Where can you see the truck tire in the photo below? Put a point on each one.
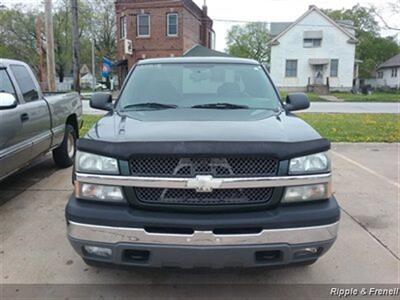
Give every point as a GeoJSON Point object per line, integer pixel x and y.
{"type": "Point", "coordinates": [64, 155]}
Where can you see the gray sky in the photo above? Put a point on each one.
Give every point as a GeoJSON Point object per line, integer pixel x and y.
{"type": "Point", "coordinates": [264, 10]}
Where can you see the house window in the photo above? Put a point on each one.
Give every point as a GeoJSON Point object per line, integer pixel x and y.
{"type": "Point", "coordinates": [312, 43]}
{"type": "Point", "coordinates": [334, 67]}
{"type": "Point", "coordinates": [172, 24]}
{"type": "Point", "coordinates": [122, 27]}
{"type": "Point", "coordinates": [394, 72]}
{"type": "Point", "coordinates": [143, 25]}
{"type": "Point", "coordinates": [291, 68]}
{"type": "Point", "coordinates": [380, 75]}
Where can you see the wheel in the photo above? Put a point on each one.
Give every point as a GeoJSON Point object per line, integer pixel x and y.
{"type": "Point", "coordinates": [64, 155]}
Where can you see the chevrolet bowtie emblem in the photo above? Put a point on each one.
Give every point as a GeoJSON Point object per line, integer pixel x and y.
{"type": "Point", "coordinates": [204, 184]}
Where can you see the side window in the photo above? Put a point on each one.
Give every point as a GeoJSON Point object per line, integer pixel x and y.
{"type": "Point", "coordinates": [25, 83]}
{"type": "Point", "coordinates": [6, 85]}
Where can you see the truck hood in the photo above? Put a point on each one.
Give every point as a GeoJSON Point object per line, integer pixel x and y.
{"type": "Point", "coordinates": [185, 125]}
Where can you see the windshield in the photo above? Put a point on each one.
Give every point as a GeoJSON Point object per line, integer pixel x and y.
{"type": "Point", "coordinates": [207, 86]}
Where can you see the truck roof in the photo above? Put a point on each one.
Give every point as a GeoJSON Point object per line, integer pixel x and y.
{"type": "Point", "coordinates": [212, 60]}
{"type": "Point", "coordinates": [4, 62]}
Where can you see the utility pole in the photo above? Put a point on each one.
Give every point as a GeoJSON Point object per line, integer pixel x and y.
{"type": "Point", "coordinates": [51, 66]}
{"type": "Point", "coordinates": [42, 72]}
{"type": "Point", "coordinates": [93, 65]}
{"type": "Point", "coordinates": [75, 45]}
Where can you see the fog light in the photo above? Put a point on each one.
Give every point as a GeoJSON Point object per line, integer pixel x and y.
{"type": "Point", "coordinates": [97, 192]}
{"type": "Point", "coordinates": [306, 252]}
{"type": "Point", "coordinates": [307, 193]}
{"type": "Point", "coordinates": [98, 251]}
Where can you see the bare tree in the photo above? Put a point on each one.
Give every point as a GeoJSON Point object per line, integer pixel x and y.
{"type": "Point", "coordinates": [395, 9]}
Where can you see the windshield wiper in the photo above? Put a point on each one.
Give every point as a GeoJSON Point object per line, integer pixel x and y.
{"type": "Point", "coordinates": [221, 106]}
{"type": "Point", "coordinates": [152, 105]}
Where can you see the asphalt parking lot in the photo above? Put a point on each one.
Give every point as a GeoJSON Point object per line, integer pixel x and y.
{"type": "Point", "coordinates": [34, 248]}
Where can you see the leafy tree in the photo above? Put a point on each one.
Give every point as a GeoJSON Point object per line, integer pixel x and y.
{"type": "Point", "coordinates": [96, 19]}
{"type": "Point", "coordinates": [63, 35]}
{"type": "Point", "coordinates": [362, 17]}
{"type": "Point", "coordinates": [104, 28]}
{"type": "Point", "coordinates": [18, 34]}
{"type": "Point", "coordinates": [372, 49]}
{"type": "Point", "coordinates": [250, 41]}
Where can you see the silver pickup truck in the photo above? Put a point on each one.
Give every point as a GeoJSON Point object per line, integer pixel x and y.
{"type": "Point", "coordinates": [32, 123]}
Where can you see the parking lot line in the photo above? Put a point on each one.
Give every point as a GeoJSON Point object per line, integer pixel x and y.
{"type": "Point", "coordinates": [366, 169]}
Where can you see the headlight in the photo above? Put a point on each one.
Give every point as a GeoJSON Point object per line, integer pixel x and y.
{"type": "Point", "coordinates": [97, 192]}
{"type": "Point", "coordinates": [306, 193]}
{"type": "Point", "coordinates": [93, 163]}
{"type": "Point", "coordinates": [315, 163]}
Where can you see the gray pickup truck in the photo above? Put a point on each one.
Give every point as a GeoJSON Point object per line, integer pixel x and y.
{"type": "Point", "coordinates": [200, 164]}
{"type": "Point", "coordinates": [32, 123]}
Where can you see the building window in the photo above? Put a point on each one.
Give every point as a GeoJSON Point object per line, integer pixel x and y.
{"type": "Point", "coordinates": [312, 43]}
{"type": "Point", "coordinates": [334, 67]}
{"type": "Point", "coordinates": [291, 68]}
{"type": "Point", "coordinates": [380, 75]}
{"type": "Point", "coordinates": [122, 27]}
{"type": "Point", "coordinates": [394, 72]}
{"type": "Point", "coordinates": [143, 25]}
{"type": "Point", "coordinates": [172, 24]}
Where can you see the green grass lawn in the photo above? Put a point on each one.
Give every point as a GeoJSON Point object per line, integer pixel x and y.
{"type": "Point", "coordinates": [374, 97]}
{"type": "Point", "coordinates": [356, 127]}
{"type": "Point", "coordinates": [335, 127]}
{"type": "Point", "coordinates": [88, 122]}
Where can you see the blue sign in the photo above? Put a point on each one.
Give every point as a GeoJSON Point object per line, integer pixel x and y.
{"type": "Point", "coordinates": [107, 64]}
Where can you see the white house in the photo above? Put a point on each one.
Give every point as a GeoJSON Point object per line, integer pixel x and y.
{"type": "Point", "coordinates": [313, 53]}
{"type": "Point", "coordinates": [388, 73]}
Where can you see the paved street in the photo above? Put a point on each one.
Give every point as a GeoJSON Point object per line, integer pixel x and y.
{"type": "Point", "coordinates": [354, 107]}
{"type": "Point", "coordinates": [34, 248]}
{"type": "Point", "coordinates": [316, 107]}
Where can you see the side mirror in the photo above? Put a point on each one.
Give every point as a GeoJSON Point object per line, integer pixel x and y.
{"type": "Point", "coordinates": [101, 101]}
{"type": "Point", "coordinates": [297, 101]}
{"type": "Point", "coordinates": [7, 101]}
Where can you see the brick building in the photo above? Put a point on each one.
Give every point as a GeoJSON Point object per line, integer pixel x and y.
{"type": "Point", "coordinates": [159, 28]}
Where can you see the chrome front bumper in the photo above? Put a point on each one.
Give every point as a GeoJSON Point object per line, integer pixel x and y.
{"type": "Point", "coordinates": [203, 182]}
{"type": "Point", "coordinates": [113, 235]}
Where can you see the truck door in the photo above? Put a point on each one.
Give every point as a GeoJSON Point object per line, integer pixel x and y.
{"type": "Point", "coordinates": [15, 149]}
{"type": "Point", "coordinates": [35, 114]}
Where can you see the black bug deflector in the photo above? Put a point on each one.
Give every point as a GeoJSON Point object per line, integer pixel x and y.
{"type": "Point", "coordinates": [277, 150]}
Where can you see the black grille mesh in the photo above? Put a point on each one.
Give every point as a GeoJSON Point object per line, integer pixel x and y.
{"type": "Point", "coordinates": [217, 167]}
{"type": "Point", "coordinates": [191, 197]}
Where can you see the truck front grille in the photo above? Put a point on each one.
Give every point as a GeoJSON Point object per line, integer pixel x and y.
{"type": "Point", "coordinates": [217, 167]}
{"type": "Point", "coordinates": [215, 198]}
